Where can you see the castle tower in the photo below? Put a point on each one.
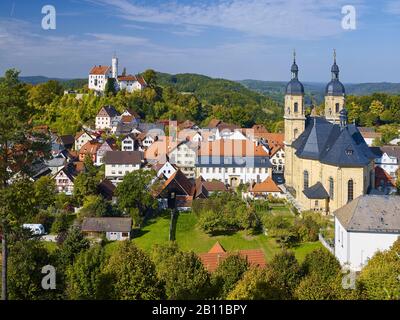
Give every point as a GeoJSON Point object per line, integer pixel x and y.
{"type": "Point", "coordinates": [334, 95]}
{"type": "Point", "coordinates": [294, 118]}
{"type": "Point", "coordinates": [114, 66]}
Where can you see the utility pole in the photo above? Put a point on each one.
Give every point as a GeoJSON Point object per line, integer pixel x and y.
{"type": "Point", "coordinates": [4, 254]}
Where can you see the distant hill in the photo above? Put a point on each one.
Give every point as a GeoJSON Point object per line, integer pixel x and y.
{"type": "Point", "coordinates": [67, 83]}
{"type": "Point", "coordinates": [222, 91]}
{"type": "Point", "coordinates": [315, 91]}
{"type": "Point", "coordinates": [212, 90]}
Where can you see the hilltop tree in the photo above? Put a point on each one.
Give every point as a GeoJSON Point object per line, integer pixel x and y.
{"type": "Point", "coordinates": [134, 193]}
{"type": "Point", "coordinates": [111, 87]}
{"type": "Point", "coordinates": [285, 272]}
{"type": "Point", "coordinates": [130, 275]}
{"type": "Point", "coordinates": [150, 76]}
{"type": "Point", "coordinates": [84, 275]}
{"type": "Point", "coordinates": [27, 257]}
{"type": "Point", "coordinates": [44, 93]}
{"type": "Point", "coordinates": [18, 150]}
{"type": "Point", "coordinates": [228, 273]}
{"type": "Point", "coordinates": [183, 273]}
{"type": "Point", "coordinates": [379, 279]}
{"type": "Point", "coordinates": [255, 285]}
{"type": "Point", "coordinates": [45, 192]}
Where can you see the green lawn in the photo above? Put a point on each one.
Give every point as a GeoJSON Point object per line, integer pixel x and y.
{"type": "Point", "coordinates": [154, 232]}
{"type": "Point", "coordinates": [189, 237]}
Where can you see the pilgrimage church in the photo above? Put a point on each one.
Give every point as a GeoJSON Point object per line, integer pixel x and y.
{"type": "Point", "coordinates": [328, 163]}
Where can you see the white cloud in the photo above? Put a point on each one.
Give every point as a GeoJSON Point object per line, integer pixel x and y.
{"type": "Point", "coordinates": [277, 18]}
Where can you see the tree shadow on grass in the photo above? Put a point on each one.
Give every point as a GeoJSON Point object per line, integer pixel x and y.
{"type": "Point", "coordinates": [222, 233]}
{"type": "Point", "coordinates": [137, 233]}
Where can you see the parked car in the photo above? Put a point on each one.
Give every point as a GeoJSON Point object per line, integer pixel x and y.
{"type": "Point", "coordinates": [36, 229]}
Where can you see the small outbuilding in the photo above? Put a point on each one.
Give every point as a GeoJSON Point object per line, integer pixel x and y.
{"type": "Point", "coordinates": [114, 228]}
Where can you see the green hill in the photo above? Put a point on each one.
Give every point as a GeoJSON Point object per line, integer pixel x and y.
{"type": "Point", "coordinates": [211, 90]}
{"type": "Point", "coordinates": [315, 91]}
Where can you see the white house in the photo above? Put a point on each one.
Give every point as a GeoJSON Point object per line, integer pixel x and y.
{"type": "Point", "coordinates": [81, 138]}
{"type": "Point", "coordinates": [234, 134]}
{"type": "Point", "coordinates": [166, 169]}
{"type": "Point", "coordinates": [119, 163]}
{"type": "Point", "coordinates": [131, 83]}
{"type": "Point", "coordinates": [98, 77]}
{"type": "Point", "coordinates": [388, 158]}
{"type": "Point", "coordinates": [128, 143]}
{"type": "Point", "coordinates": [233, 162]}
{"type": "Point", "coordinates": [277, 158]}
{"type": "Point", "coordinates": [106, 117]}
{"type": "Point", "coordinates": [65, 180]}
{"type": "Point", "coordinates": [368, 224]}
{"type": "Point", "coordinates": [114, 228]}
{"type": "Point", "coordinates": [106, 146]}
{"type": "Point", "coordinates": [183, 155]}
{"type": "Point", "coordinates": [265, 189]}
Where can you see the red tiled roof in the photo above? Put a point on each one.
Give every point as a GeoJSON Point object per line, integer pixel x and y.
{"type": "Point", "coordinates": [217, 254]}
{"type": "Point", "coordinates": [268, 185]}
{"type": "Point", "coordinates": [90, 147]}
{"type": "Point", "coordinates": [99, 70]}
{"type": "Point", "coordinates": [231, 148]}
{"type": "Point", "coordinates": [217, 248]}
{"type": "Point", "coordinates": [182, 181]}
{"type": "Point", "coordinates": [382, 175]}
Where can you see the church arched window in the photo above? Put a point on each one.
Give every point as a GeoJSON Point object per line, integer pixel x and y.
{"type": "Point", "coordinates": [337, 107]}
{"type": "Point", "coordinates": [295, 133]}
{"type": "Point", "coordinates": [350, 190]}
{"type": "Point", "coordinates": [296, 107]}
{"type": "Point", "coordinates": [331, 188]}
{"type": "Point", "coordinates": [306, 178]}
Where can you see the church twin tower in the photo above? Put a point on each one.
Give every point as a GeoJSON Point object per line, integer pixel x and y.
{"type": "Point", "coordinates": [294, 102]}
{"type": "Point", "coordinates": [295, 119]}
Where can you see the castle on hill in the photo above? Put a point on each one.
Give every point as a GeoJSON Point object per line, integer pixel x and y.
{"type": "Point", "coordinates": [100, 75]}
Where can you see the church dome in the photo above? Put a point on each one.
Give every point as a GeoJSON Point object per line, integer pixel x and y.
{"type": "Point", "coordinates": [294, 87]}
{"type": "Point", "coordinates": [335, 88]}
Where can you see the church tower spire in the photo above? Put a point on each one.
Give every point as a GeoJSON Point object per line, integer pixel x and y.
{"type": "Point", "coordinates": [334, 94]}
{"type": "Point", "coordinates": [294, 117]}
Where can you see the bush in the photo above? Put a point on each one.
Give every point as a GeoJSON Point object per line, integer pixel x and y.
{"type": "Point", "coordinates": [61, 223]}
{"type": "Point", "coordinates": [46, 218]}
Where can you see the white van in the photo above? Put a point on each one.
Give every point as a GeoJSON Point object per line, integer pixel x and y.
{"type": "Point", "coordinates": [36, 229]}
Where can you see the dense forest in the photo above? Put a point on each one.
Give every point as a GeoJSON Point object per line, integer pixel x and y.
{"type": "Point", "coordinates": [193, 98]}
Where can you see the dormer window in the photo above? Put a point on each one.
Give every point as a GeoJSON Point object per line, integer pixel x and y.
{"type": "Point", "coordinates": [349, 152]}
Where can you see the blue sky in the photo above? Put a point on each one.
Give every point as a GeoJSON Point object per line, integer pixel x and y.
{"type": "Point", "coordinates": [233, 39]}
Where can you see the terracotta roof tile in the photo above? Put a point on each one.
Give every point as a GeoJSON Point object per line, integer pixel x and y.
{"type": "Point", "coordinates": [228, 148]}
{"type": "Point", "coordinates": [99, 70]}
{"type": "Point", "coordinates": [215, 256]}
{"type": "Point", "coordinates": [268, 185]}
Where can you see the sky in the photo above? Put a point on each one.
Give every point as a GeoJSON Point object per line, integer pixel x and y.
{"type": "Point", "coordinates": [232, 39]}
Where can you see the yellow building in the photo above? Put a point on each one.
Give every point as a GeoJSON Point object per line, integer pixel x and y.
{"type": "Point", "coordinates": [328, 162]}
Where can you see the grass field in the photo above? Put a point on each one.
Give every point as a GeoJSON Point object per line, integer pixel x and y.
{"type": "Point", "coordinates": [189, 237]}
